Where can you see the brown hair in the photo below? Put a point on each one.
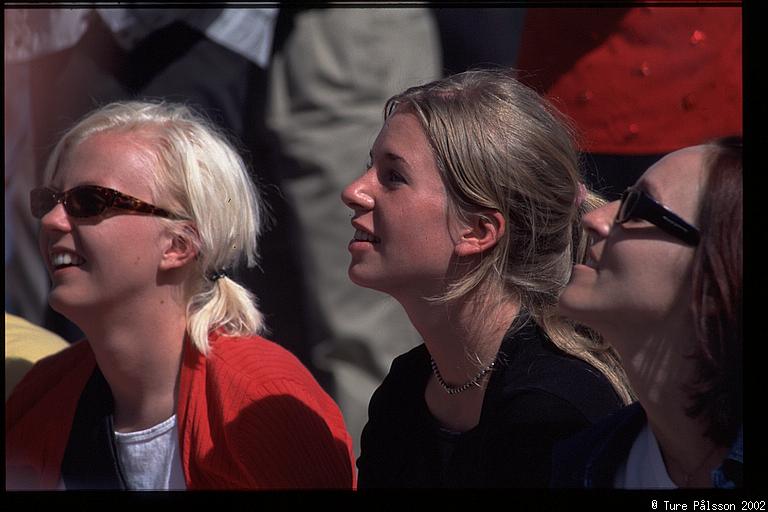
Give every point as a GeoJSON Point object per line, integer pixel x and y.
{"type": "Point", "coordinates": [717, 393]}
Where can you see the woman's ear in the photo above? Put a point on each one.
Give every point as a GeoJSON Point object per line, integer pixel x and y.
{"type": "Point", "coordinates": [483, 232]}
{"type": "Point", "coordinates": [182, 249]}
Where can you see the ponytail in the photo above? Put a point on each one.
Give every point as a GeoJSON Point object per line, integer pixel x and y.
{"type": "Point", "coordinates": [225, 306]}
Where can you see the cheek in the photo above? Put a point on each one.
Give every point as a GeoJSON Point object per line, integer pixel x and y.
{"type": "Point", "coordinates": [129, 246]}
{"type": "Point", "coordinates": [423, 238]}
{"type": "Point", "coordinates": [650, 280]}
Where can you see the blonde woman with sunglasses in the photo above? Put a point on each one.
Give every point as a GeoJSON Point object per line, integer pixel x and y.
{"type": "Point", "coordinates": [146, 210]}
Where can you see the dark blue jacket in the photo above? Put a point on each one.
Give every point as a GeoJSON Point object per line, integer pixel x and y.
{"type": "Point", "coordinates": [591, 458]}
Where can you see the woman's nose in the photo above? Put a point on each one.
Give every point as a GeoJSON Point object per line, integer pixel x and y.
{"type": "Point", "coordinates": [56, 219]}
{"type": "Point", "coordinates": [357, 195]}
{"type": "Point", "coordinates": [600, 220]}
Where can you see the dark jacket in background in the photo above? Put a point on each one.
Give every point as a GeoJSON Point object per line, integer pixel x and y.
{"type": "Point", "coordinates": [591, 458]}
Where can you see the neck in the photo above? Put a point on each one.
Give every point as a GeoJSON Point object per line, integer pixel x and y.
{"type": "Point", "coordinates": [138, 348]}
{"type": "Point", "coordinates": [462, 338]}
{"type": "Point", "coordinates": [655, 356]}
{"type": "Point", "coordinates": [659, 369]}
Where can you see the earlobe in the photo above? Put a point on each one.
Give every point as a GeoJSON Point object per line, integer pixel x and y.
{"type": "Point", "coordinates": [482, 234]}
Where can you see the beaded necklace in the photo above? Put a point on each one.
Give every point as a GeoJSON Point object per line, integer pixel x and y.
{"type": "Point", "coordinates": [453, 390]}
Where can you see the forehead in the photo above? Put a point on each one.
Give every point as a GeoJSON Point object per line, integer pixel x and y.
{"type": "Point", "coordinates": [677, 179]}
{"type": "Point", "coordinates": [114, 159]}
{"type": "Point", "coordinates": [403, 126]}
{"type": "Point", "coordinates": [403, 139]}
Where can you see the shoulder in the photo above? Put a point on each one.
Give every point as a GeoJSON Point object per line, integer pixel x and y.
{"type": "Point", "coordinates": [402, 380]}
{"type": "Point", "coordinates": [72, 366]}
{"type": "Point", "coordinates": [539, 371]}
{"type": "Point", "coordinates": [255, 361]}
{"type": "Point", "coordinates": [406, 363]}
{"type": "Point", "coordinates": [243, 370]}
{"type": "Point", "coordinates": [570, 378]}
{"type": "Point", "coordinates": [399, 396]}
{"type": "Point", "coordinates": [276, 414]}
{"type": "Point", "coordinates": [622, 420]}
{"type": "Point", "coordinates": [591, 456]}
{"type": "Point", "coordinates": [40, 410]}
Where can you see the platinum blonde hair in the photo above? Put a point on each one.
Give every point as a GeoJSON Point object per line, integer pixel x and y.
{"type": "Point", "coordinates": [499, 145]}
{"type": "Point", "coordinates": [203, 181]}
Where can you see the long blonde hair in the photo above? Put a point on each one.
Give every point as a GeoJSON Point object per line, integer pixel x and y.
{"type": "Point", "coordinates": [203, 181]}
{"type": "Point", "coordinates": [499, 145]}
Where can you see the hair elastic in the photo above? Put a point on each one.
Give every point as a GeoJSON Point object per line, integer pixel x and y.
{"type": "Point", "coordinates": [216, 275]}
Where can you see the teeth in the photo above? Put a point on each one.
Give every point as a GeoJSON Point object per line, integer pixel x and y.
{"type": "Point", "coordinates": [365, 237]}
{"type": "Point", "coordinates": [66, 258]}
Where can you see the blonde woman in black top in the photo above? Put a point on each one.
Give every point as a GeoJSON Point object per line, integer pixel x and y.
{"type": "Point", "coordinates": [468, 215]}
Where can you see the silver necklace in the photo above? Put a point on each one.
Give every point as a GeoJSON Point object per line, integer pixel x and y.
{"type": "Point", "coordinates": [453, 390]}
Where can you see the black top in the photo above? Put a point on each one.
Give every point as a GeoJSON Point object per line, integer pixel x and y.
{"type": "Point", "coordinates": [90, 458]}
{"type": "Point", "coordinates": [536, 395]}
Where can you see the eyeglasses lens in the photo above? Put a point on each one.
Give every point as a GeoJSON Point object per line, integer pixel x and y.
{"type": "Point", "coordinates": [42, 201]}
{"type": "Point", "coordinates": [78, 202]}
{"type": "Point", "coordinates": [85, 202]}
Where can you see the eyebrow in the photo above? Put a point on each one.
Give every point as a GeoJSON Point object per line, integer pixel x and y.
{"type": "Point", "coordinates": [388, 155]}
{"type": "Point", "coordinates": [84, 183]}
{"type": "Point", "coordinates": [393, 156]}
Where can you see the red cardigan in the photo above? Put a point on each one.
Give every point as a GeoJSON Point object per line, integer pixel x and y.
{"type": "Point", "coordinates": [249, 415]}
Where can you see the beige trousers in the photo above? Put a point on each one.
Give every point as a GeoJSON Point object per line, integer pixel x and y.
{"type": "Point", "coordinates": [328, 86]}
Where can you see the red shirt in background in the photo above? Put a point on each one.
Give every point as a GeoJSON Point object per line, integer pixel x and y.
{"type": "Point", "coordinates": [645, 80]}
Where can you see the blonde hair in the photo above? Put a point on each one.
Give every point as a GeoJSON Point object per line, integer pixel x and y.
{"type": "Point", "coordinates": [203, 181]}
{"type": "Point", "coordinates": [499, 145]}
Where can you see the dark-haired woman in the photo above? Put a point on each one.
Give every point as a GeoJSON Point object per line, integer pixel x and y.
{"type": "Point", "coordinates": [663, 285]}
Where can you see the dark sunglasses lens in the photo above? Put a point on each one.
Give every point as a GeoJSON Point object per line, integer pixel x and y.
{"type": "Point", "coordinates": [85, 202]}
{"type": "Point", "coordinates": [41, 201]}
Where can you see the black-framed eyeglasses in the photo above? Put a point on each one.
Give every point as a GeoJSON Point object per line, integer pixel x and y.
{"type": "Point", "coordinates": [636, 204]}
{"type": "Point", "coordinates": [89, 201]}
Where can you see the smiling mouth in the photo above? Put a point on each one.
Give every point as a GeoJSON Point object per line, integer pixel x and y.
{"type": "Point", "coordinates": [65, 259]}
{"type": "Point", "coordinates": [362, 236]}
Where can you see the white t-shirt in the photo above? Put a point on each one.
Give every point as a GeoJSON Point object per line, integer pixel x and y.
{"type": "Point", "coordinates": [644, 467]}
{"type": "Point", "coordinates": [150, 459]}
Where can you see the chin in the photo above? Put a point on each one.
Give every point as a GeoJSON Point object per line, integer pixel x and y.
{"type": "Point", "coordinates": [366, 281]}
{"type": "Point", "coordinates": [356, 274]}
{"type": "Point", "coordinates": [570, 306]}
{"type": "Point", "coordinates": [69, 307]}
